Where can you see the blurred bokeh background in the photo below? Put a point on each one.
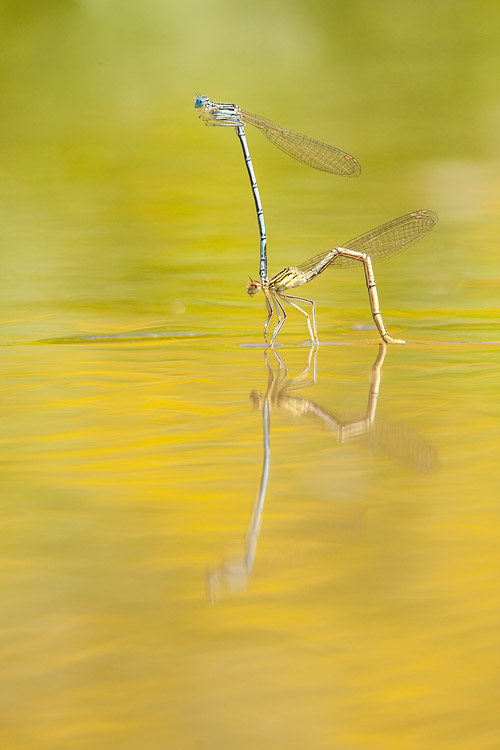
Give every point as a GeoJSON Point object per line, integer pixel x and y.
{"type": "Point", "coordinates": [130, 464]}
{"type": "Point", "coordinates": [120, 209]}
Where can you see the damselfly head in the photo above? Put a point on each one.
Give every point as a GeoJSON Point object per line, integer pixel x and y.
{"type": "Point", "coordinates": [201, 101]}
{"type": "Point", "coordinates": [253, 287]}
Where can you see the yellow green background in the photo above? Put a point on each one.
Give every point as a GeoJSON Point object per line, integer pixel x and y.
{"type": "Point", "coordinates": [132, 441]}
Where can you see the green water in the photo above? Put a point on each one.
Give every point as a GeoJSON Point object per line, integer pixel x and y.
{"type": "Point", "coordinates": [205, 546]}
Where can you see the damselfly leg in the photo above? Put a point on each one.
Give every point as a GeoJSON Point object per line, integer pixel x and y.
{"type": "Point", "coordinates": [312, 329]}
{"type": "Point", "coordinates": [280, 314]}
{"type": "Point", "coordinates": [269, 311]}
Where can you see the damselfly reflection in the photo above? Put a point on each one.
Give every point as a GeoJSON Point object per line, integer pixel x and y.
{"type": "Point", "coordinates": [391, 438]}
{"type": "Point", "coordinates": [233, 574]}
{"type": "Point", "coordinates": [307, 150]}
{"type": "Point", "coordinates": [378, 244]}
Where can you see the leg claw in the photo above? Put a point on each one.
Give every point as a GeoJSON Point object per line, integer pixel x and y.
{"type": "Point", "coordinates": [389, 340]}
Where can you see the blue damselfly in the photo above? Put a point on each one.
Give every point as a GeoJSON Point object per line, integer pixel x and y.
{"type": "Point", "coordinates": [307, 150]}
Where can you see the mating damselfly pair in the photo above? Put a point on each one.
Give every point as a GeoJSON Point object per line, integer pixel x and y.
{"type": "Point", "coordinates": [377, 244]}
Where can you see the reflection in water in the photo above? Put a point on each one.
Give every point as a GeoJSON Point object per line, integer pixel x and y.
{"type": "Point", "coordinates": [395, 439]}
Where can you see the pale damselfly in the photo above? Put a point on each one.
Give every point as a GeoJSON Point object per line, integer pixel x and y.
{"type": "Point", "coordinates": [378, 244]}
{"type": "Point", "coordinates": [307, 150]}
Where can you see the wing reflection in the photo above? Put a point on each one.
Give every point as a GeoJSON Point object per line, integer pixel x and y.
{"type": "Point", "coordinates": [395, 439]}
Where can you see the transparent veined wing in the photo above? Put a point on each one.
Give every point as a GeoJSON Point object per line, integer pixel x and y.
{"type": "Point", "coordinates": [307, 150]}
{"type": "Point", "coordinates": [379, 243]}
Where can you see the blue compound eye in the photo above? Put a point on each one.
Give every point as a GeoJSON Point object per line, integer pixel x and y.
{"type": "Point", "coordinates": [200, 101]}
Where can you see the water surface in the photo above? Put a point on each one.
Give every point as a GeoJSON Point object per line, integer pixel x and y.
{"type": "Point", "coordinates": [207, 545]}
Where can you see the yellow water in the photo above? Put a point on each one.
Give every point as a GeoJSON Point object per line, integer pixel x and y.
{"type": "Point", "coordinates": [145, 601]}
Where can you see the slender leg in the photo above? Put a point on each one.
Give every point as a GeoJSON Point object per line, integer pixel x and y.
{"type": "Point", "coordinates": [281, 318]}
{"type": "Point", "coordinates": [312, 329]}
{"type": "Point", "coordinates": [270, 312]}
{"type": "Point", "coordinates": [372, 292]}
{"type": "Point", "coordinates": [276, 310]}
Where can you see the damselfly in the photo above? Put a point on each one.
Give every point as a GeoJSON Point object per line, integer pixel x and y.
{"type": "Point", "coordinates": [378, 244]}
{"type": "Point", "coordinates": [307, 150]}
